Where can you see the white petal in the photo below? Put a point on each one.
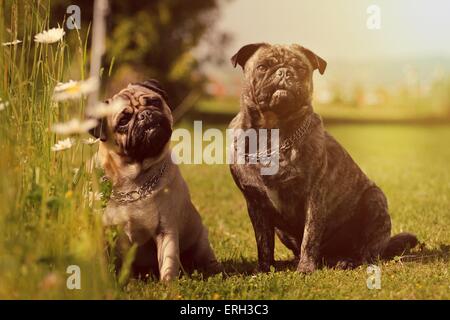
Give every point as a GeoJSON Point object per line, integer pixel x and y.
{"type": "Point", "coordinates": [12, 43]}
{"type": "Point", "coordinates": [104, 109]}
{"type": "Point", "coordinates": [63, 145]}
{"type": "Point", "coordinates": [74, 126]}
{"type": "Point", "coordinates": [90, 141]}
{"type": "Point", "coordinates": [50, 36]}
{"type": "Point", "coordinates": [74, 89]}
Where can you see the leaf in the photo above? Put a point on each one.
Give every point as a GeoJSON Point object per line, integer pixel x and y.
{"type": "Point", "coordinates": [125, 270]}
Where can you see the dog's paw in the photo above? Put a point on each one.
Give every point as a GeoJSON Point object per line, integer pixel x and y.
{"type": "Point", "coordinates": [213, 268]}
{"type": "Point", "coordinates": [306, 267]}
{"type": "Point", "coordinates": [263, 268]}
{"type": "Point", "coordinates": [169, 275]}
{"type": "Point", "coordinates": [345, 264]}
{"type": "Point", "coordinates": [167, 278]}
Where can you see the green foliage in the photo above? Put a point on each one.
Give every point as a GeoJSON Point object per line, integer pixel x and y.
{"type": "Point", "coordinates": [48, 220]}
{"type": "Point", "coordinates": [154, 39]}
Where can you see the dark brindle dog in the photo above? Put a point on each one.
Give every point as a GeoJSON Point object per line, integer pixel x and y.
{"type": "Point", "coordinates": [319, 203]}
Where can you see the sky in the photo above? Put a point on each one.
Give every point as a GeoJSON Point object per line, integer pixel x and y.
{"type": "Point", "coordinates": [337, 29]}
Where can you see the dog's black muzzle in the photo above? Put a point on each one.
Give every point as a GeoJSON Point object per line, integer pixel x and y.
{"type": "Point", "coordinates": [149, 134]}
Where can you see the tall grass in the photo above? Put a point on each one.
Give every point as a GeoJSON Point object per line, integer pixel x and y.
{"type": "Point", "coordinates": [48, 220]}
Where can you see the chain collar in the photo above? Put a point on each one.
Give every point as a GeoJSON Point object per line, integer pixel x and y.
{"type": "Point", "coordinates": [297, 137]}
{"type": "Point", "coordinates": [140, 193]}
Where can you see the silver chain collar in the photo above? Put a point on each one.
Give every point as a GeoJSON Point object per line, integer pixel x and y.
{"type": "Point", "coordinates": [298, 137]}
{"type": "Point", "coordinates": [140, 193]}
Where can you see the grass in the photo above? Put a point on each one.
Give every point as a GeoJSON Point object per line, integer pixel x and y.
{"type": "Point", "coordinates": [400, 108]}
{"type": "Point", "coordinates": [47, 221]}
{"type": "Point", "coordinates": [408, 162]}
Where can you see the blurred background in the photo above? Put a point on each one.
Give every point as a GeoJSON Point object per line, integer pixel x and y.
{"type": "Point", "coordinates": [397, 72]}
{"type": "Point", "coordinates": [385, 96]}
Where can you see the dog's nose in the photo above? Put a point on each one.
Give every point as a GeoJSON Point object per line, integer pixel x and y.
{"type": "Point", "coordinates": [284, 73]}
{"type": "Point", "coordinates": [143, 115]}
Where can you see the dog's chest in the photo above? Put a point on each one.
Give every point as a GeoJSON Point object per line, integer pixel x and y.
{"type": "Point", "coordinates": [285, 190]}
{"type": "Point", "coordinates": [288, 196]}
{"type": "Point", "coordinates": [139, 219]}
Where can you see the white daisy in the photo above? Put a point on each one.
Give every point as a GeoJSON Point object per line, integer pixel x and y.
{"type": "Point", "coordinates": [74, 89]}
{"type": "Point", "coordinates": [105, 109]}
{"type": "Point", "coordinates": [94, 196]}
{"type": "Point", "coordinates": [74, 126]}
{"type": "Point", "coordinates": [12, 43]}
{"type": "Point", "coordinates": [90, 141]}
{"type": "Point", "coordinates": [63, 145]}
{"type": "Point", "coordinates": [50, 36]}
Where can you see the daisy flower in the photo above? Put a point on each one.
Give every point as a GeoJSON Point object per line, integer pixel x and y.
{"type": "Point", "coordinates": [12, 43]}
{"type": "Point", "coordinates": [90, 141]}
{"type": "Point", "coordinates": [63, 145]}
{"type": "Point", "coordinates": [74, 126]}
{"type": "Point", "coordinates": [93, 197]}
{"type": "Point", "coordinates": [105, 109]}
{"type": "Point", "coordinates": [50, 36]}
{"type": "Point", "coordinates": [74, 89]}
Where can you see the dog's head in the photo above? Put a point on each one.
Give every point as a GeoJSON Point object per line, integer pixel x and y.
{"type": "Point", "coordinates": [143, 126]}
{"type": "Point", "coordinates": [278, 78]}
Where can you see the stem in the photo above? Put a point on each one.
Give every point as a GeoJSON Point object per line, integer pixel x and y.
{"type": "Point", "coordinates": [98, 44]}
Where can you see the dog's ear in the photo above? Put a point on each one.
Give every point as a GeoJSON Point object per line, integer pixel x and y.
{"type": "Point", "coordinates": [245, 53]}
{"type": "Point", "coordinates": [154, 85]}
{"type": "Point", "coordinates": [316, 61]}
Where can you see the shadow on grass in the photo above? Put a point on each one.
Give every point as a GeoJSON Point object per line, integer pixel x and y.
{"type": "Point", "coordinates": [421, 255]}
{"type": "Point", "coordinates": [426, 255]}
{"type": "Point", "coordinates": [249, 267]}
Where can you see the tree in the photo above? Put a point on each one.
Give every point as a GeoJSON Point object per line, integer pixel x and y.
{"type": "Point", "coordinates": [154, 39]}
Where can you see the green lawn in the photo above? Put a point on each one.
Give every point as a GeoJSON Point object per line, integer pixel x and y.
{"type": "Point", "coordinates": [405, 109]}
{"type": "Point", "coordinates": [409, 163]}
{"type": "Point", "coordinates": [50, 221]}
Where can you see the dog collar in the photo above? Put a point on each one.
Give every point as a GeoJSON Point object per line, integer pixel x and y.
{"type": "Point", "coordinates": [140, 193]}
{"type": "Point", "coordinates": [296, 138]}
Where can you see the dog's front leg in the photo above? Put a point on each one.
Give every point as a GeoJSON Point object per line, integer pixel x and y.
{"type": "Point", "coordinates": [168, 255]}
{"type": "Point", "coordinates": [312, 236]}
{"type": "Point", "coordinates": [265, 236]}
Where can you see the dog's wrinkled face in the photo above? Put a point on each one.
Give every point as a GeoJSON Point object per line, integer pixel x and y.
{"type": "Point", "coordinates": [278, 78]}
{"type": "Point", "coordinates": [143, 127]}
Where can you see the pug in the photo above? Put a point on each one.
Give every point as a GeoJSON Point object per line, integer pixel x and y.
{"type": "Point", "coordinates": [149, 198]}
{"type": "Point", "coordinates": [319, 203]}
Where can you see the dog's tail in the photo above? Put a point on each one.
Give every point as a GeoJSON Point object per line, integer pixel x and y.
{"type": "Point", "coordinates": [399, 244]}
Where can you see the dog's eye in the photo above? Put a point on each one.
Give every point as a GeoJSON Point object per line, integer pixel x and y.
{"type": "Point", "coordinates": [124, 119]}
{"type": "Point", "coordinates": [261, 68]}
{"type": "Point", "coordinates": [155, 102]}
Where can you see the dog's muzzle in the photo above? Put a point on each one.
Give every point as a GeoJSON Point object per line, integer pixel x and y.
{"type": "Point", "coordinates": [283, 87]}
{"type": "Point", "coordinates": [149, 134]}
